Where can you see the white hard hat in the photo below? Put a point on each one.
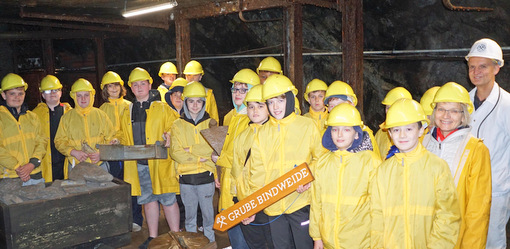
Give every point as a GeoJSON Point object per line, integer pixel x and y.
{"type": "Point", "coordinates": [487, 48]}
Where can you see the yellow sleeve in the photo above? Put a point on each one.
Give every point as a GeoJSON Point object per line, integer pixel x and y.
{"type": "Point", "coordinates": [6, 159]}
{"type": "Point", "coordinates": [210, 105]}
{"type": "Point", "coordinates": [478, 199]}
{"type": "Point", "coordinates": [377, 228]}
{"type": "Point", "coordinates": [41, 142]}
{"type": "Point", "coordinates": [257, 168]}
{"type": "Point", "coordinates": [61, 139]}
{"type": "Point", "coordinates": [315, 210]}
{"type": "Point", "coordinates": [109, 131]}
{"type": "Point", "coordinates": [177, 146]}
{"type": "Point", "coordinates": [446, 224]}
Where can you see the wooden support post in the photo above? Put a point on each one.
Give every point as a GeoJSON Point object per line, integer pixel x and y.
{"type": "Point", "coordinates": [100, 67]}
{"type": "Point", "coordinates": [352, 46]}
{"type": "Point", "coordinates": [182, 42]}
{"type": "Point", "coordinates": [48, 56]}
{"type": "Point", "coordinates": [293, 51]}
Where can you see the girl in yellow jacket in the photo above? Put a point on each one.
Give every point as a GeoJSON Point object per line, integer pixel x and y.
{"type": "Point", "coordinates": [84, 123]}
{"type": "Point", "coordinates": [284, 141]}
{"type": "Point", "coordinates": [413, 198]}
{"type": "Point", "coordinates": [22, 143]}
{"type": "Point", "coordinates": [468, 158]}
{"type": "Point", "coordinates": [314, 95]}
{"type": "Point", "coordinates": [50, 112]}
{"type": "Point", "coordinates": [196, 171]}
{"type": "Point", "coordinates": [340, 209]}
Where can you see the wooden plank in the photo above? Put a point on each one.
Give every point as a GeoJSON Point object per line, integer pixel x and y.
{"type": "Point", "coordinates": [100, 68]}
{"type": "Point", "coordinates": [48, 57]}
{"type": "Point", "coordinates": [293, 52]}
{"type": "Point", "coordinates": [182, 42]}
{"type": "Point", "coordinates": [264, 197]}
{"type": "Point", "coordinates": [72, 220]}
{"type": "Point", "coordinates": [132, 152]}
{"type": "Point", "coordinates": [352, 46]}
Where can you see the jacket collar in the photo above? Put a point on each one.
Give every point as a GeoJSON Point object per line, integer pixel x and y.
{"type": "Point", "coordinates": [284, 121]}
{"type": "Point", "coordinates": [412, 156]}
{"type": "Point", "coordinates": [318, 115]}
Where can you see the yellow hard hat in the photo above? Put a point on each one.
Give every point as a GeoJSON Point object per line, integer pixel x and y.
{"type": "Point", "coordinates": [139, 74]}
{"type": "Point", "coordinates": [453, 92]}
{"type": "Point", "coordinates": [277, 84]}
{"type": "Point", "coordinates": [254, 95]}
{"type": "Point", "coordinates": [270, 64]}
{"type": "Point", "coordinates": [82, 85]}
{"type": "Point", "coordinates": [344, 115]}
{"type": "Point", "coordinates": [246, 76]}
{"type": "Point", "coordinates": [487, 48]}
{"type": "Point", "coordinates": [340, 88]}
{"type": "Point", "coordinates": [111, 77]}
{"type": "Point", "coordinates": [167, 67]}
{"type": "Point", "coordinates": [404, 112]}
{"type": "Point", "coordinates": [395, 94]}
{"type": "Point", "coordinates": [193, 90]}
{"type": "Point", "coordinates": [315, 85]}
{"type": "Point", "coordinates": [179, 82]}
{"type": "Point", "coordinates": [11, 81]}
{"type": "Point", "coordinates": [50, 82]}
{"type": "Point", "coordinates": [193, 67]}
{"type": "Point", "coordinates": [426, 100]}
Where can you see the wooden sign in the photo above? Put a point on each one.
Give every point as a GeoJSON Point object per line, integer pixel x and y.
{"type": "Point", "coordinates": [215, 137]}
{"type": "Point", "coordinates": [264, 197]}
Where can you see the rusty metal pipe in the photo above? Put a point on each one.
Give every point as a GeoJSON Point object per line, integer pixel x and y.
{"type": "Point", "coordinates": [448, 4]}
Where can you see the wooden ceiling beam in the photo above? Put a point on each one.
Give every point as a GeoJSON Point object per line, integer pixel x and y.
{"type": "Point", "coordinates": [64, 25]}
{"type": "Point", "coordinates": [211, 9]}
{"type": "Point", "coordinates": [41, 35]}
{"type": "Point", "coordinates": [90, 19]}
{"type": "Point", "coordinates": [320, 3]}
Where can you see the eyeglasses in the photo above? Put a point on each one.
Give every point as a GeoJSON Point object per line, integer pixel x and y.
{"type": "Point", "coordinates": [240, 90]}
{"type": "Point", "coordinates": [51, 91]}
{"type": "Point", "coordinates": [452, 111]}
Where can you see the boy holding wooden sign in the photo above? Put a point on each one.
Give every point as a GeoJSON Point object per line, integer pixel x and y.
{"type": "Point", "coordinates": [340, 209]}
{"type": "Point", "coordinates": [285, 140]}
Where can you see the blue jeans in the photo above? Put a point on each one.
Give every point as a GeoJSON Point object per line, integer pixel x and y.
{"type": "Point", "coordinates": [236, 237]}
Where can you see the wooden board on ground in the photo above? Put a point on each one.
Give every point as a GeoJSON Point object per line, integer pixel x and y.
{"type": "Point", "coordinates": [181, 240]}
{"type": "Point", "coordinates": [264, 197]}
{"type": "Point", "coordinates": [83, 220]}
{"type": "Point", "coordinates": [132, 152]}
{"type": "Point", "coordinates": [215, 136]}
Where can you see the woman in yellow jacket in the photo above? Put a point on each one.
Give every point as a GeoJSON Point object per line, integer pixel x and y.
{"type": "Point", "coordinates": [314, 95]}
{"type": "Point", "coordinates": [468, 158]}
{"type": "Point", "coordinates": [22, 142]}
{"type": "Point", "coordinates": [192, 154]}
{"type": "Point", "coordinates": [414, 203]}
{"type": "Point", "coordinates": [50, 112]}
{"type": "Point", "coordinates": [255, 236]}
{"type": "Point", "coordinates": [146, 121]}
{"type": "Point", "coordinates": [382, 137]}
{"type": "Point", "coordinates": [284, 141]}
{"type": "Point", "coordinates": [340, 208]}
{"type": "Point", "coordinates": [113, 92]}
{"type": "Point", "coordinates": [84, 123]}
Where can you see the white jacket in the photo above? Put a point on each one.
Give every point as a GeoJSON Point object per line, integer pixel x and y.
{"type": "Point", "coordinates": [491, 122]}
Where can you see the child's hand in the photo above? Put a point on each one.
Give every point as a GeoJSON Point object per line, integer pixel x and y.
{"type": "Point", "coordinates": [303, 188]}
{"type": "Point", "coordinates": [248, 220]}
{"type": "Point", "coordinates": [318, 244]}
{"type": "Point", "coordinates": [217, 183]}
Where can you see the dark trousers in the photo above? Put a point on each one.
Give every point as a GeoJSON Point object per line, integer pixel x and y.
{"type": "Point", "coordinates": [258, 237]}
{"type": "Point", "coordinates": [291, 230]}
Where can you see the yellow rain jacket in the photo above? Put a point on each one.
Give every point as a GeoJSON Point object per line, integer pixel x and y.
{"type": "Point", "coordinates": [114, 110]}
{"type": "Point", "coordinates": [238, 123]}
{"type": "Point", "coordinates": [162, 171]}
{"type": "Point", "coordinates": [340, 209]}
{"type": "Point", "coordinates": [186, 135]}
{"type": "Point", "coordinates": [162, 91]}
{"type": "Point", "coordinates": [210, 105]}
{"type": "Point", "coordinates": [20, 140]}
{"type": "Point", "coordinates": [90, 125]}
{"type": "Point", "coordinates": [383, 140]}
{"type": "Point", "coordinates": [414, 202]}
{"type": "Point", "coordinates": [43, 112]}
{"type": "Point", "coordinates": [470, 166]}
{"type": "Point", "coordinates": [279, 145]}
{"type": "Point", "coordinates": [320, 117]}
{"type": "Point", "coordinates": [240, 166]}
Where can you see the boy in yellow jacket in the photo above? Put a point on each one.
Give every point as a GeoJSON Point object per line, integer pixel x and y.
{"type": "Point", "coordinates": [340, 209]}
{"type": "Point", "coordinates": [22, 143]}
{"type": "Point", "coordinates": [413, 197]}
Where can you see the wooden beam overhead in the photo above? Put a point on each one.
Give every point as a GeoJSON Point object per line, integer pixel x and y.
{"type": "Point", "coordinates": [211, 9]}
{"type": "Point", "coordinates": [182, 42]}
{"type": "Point", "coordinates": [293, 48]}
{"type": "Point", "coordinates": [41, 35]}
{"type": "Point", "coordinates": [113, 28]}
{"type": "Point", "coordinates": [352, 46]}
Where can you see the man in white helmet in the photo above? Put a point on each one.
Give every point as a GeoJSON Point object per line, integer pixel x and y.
{"type": "Point", "coordinates": [491, 122]}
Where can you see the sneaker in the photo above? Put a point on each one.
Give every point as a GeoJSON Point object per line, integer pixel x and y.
{"type": "Point", "coordinates": [200, 229]}
{"type": "Point", "coordinates": [136, 227]}
{"type": "Point", "coordinates": [145, 244]}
